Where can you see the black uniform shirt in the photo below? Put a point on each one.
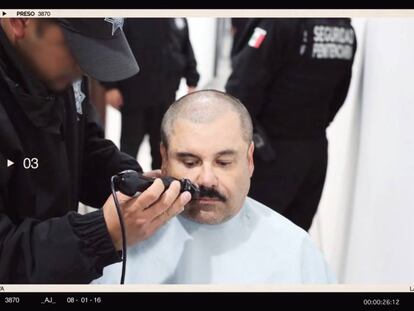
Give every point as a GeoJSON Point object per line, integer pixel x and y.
{"type": "Point", "coordinates": [293, 74]}
{"type": "Point", "coordinates": [60, 158]}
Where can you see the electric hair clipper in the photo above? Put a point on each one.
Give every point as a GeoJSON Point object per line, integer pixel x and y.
{"type": "Point", "coordinates": [130, 182]}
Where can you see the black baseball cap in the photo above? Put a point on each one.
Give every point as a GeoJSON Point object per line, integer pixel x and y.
{"type": "Point", "coordinates": [100, 47]}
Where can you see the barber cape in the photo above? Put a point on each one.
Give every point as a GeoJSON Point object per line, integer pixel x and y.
{"type": "Point", "coordinates": [257, 246]}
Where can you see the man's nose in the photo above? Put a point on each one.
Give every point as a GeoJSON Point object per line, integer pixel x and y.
{"type": "Point", "coordinates": [207, 177]}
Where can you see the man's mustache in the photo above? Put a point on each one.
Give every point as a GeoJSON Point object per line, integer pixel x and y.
{"type": "Point", "coordinates": [211, 193]}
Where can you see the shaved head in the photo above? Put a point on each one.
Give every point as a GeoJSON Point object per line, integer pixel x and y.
{"type": "Point", "coordinates": [205, 107]}
{"type": "Point", "coordinates": [207, 138]}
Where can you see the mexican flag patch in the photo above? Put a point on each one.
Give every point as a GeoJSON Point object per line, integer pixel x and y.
{"type": "Point", "coordinates": [257, 38]}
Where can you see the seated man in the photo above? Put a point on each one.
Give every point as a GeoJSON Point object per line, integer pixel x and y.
{"type": "Point", "coordinates": [223, 236]}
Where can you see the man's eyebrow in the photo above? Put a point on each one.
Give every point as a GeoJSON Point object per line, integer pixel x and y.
{"type": "Point", "coordinates": [181, 154]}
{"type": "Point", "coordinates": [226, 152]}
{"type": "Point", "coordinates": [185, 155]}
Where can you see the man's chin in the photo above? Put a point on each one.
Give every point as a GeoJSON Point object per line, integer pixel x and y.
{"type": "Point", "coordinates": [203, 214]}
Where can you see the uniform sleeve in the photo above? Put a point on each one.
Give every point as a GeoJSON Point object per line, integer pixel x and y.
{"type": "Point", "coordinates": [254, 66]}
{"type": "Point", "coordinates": [102, 159]}
{"type": "Point", "coordinates": [190, 72]}
{"type": "Point", "coordinates": [70, 249]}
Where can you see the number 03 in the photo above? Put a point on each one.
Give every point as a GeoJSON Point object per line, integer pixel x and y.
{"type": "Point", "coordinates": [32, 163]}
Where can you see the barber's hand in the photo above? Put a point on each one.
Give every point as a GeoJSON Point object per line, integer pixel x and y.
{"type": "Point", "coordinates": [144, 214]}
{"type": "Point", "coordinates": [114, 98]}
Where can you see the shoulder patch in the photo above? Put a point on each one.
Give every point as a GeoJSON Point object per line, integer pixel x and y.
{"type": "Point", "coordinates": [257, 37]}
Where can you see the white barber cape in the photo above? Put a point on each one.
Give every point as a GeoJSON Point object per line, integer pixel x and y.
{"type": "Point", "coordinates": [257, 246]}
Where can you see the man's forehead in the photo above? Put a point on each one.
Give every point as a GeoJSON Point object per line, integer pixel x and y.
{"type": "Point", "coordinates": [202, 139]}
{"type": "Point", "coordinates": [228, 121]}
{"type": "Point", "coordinates": [225, 130]}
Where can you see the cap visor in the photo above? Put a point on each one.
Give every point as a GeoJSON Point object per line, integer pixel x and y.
{"type": "Point", "coordinates": [105, 60]}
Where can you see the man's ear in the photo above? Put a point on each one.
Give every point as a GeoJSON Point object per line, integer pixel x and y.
{"type": "Point", "coordinates": [18, 27]}
{"type": "Point", "coordinates": [250, 158]}
{"type": "Point", "coordinates": [164, 158]}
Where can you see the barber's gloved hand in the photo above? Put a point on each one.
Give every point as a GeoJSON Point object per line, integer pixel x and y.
{"type": "Point", "coordinates": [144, 214]}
